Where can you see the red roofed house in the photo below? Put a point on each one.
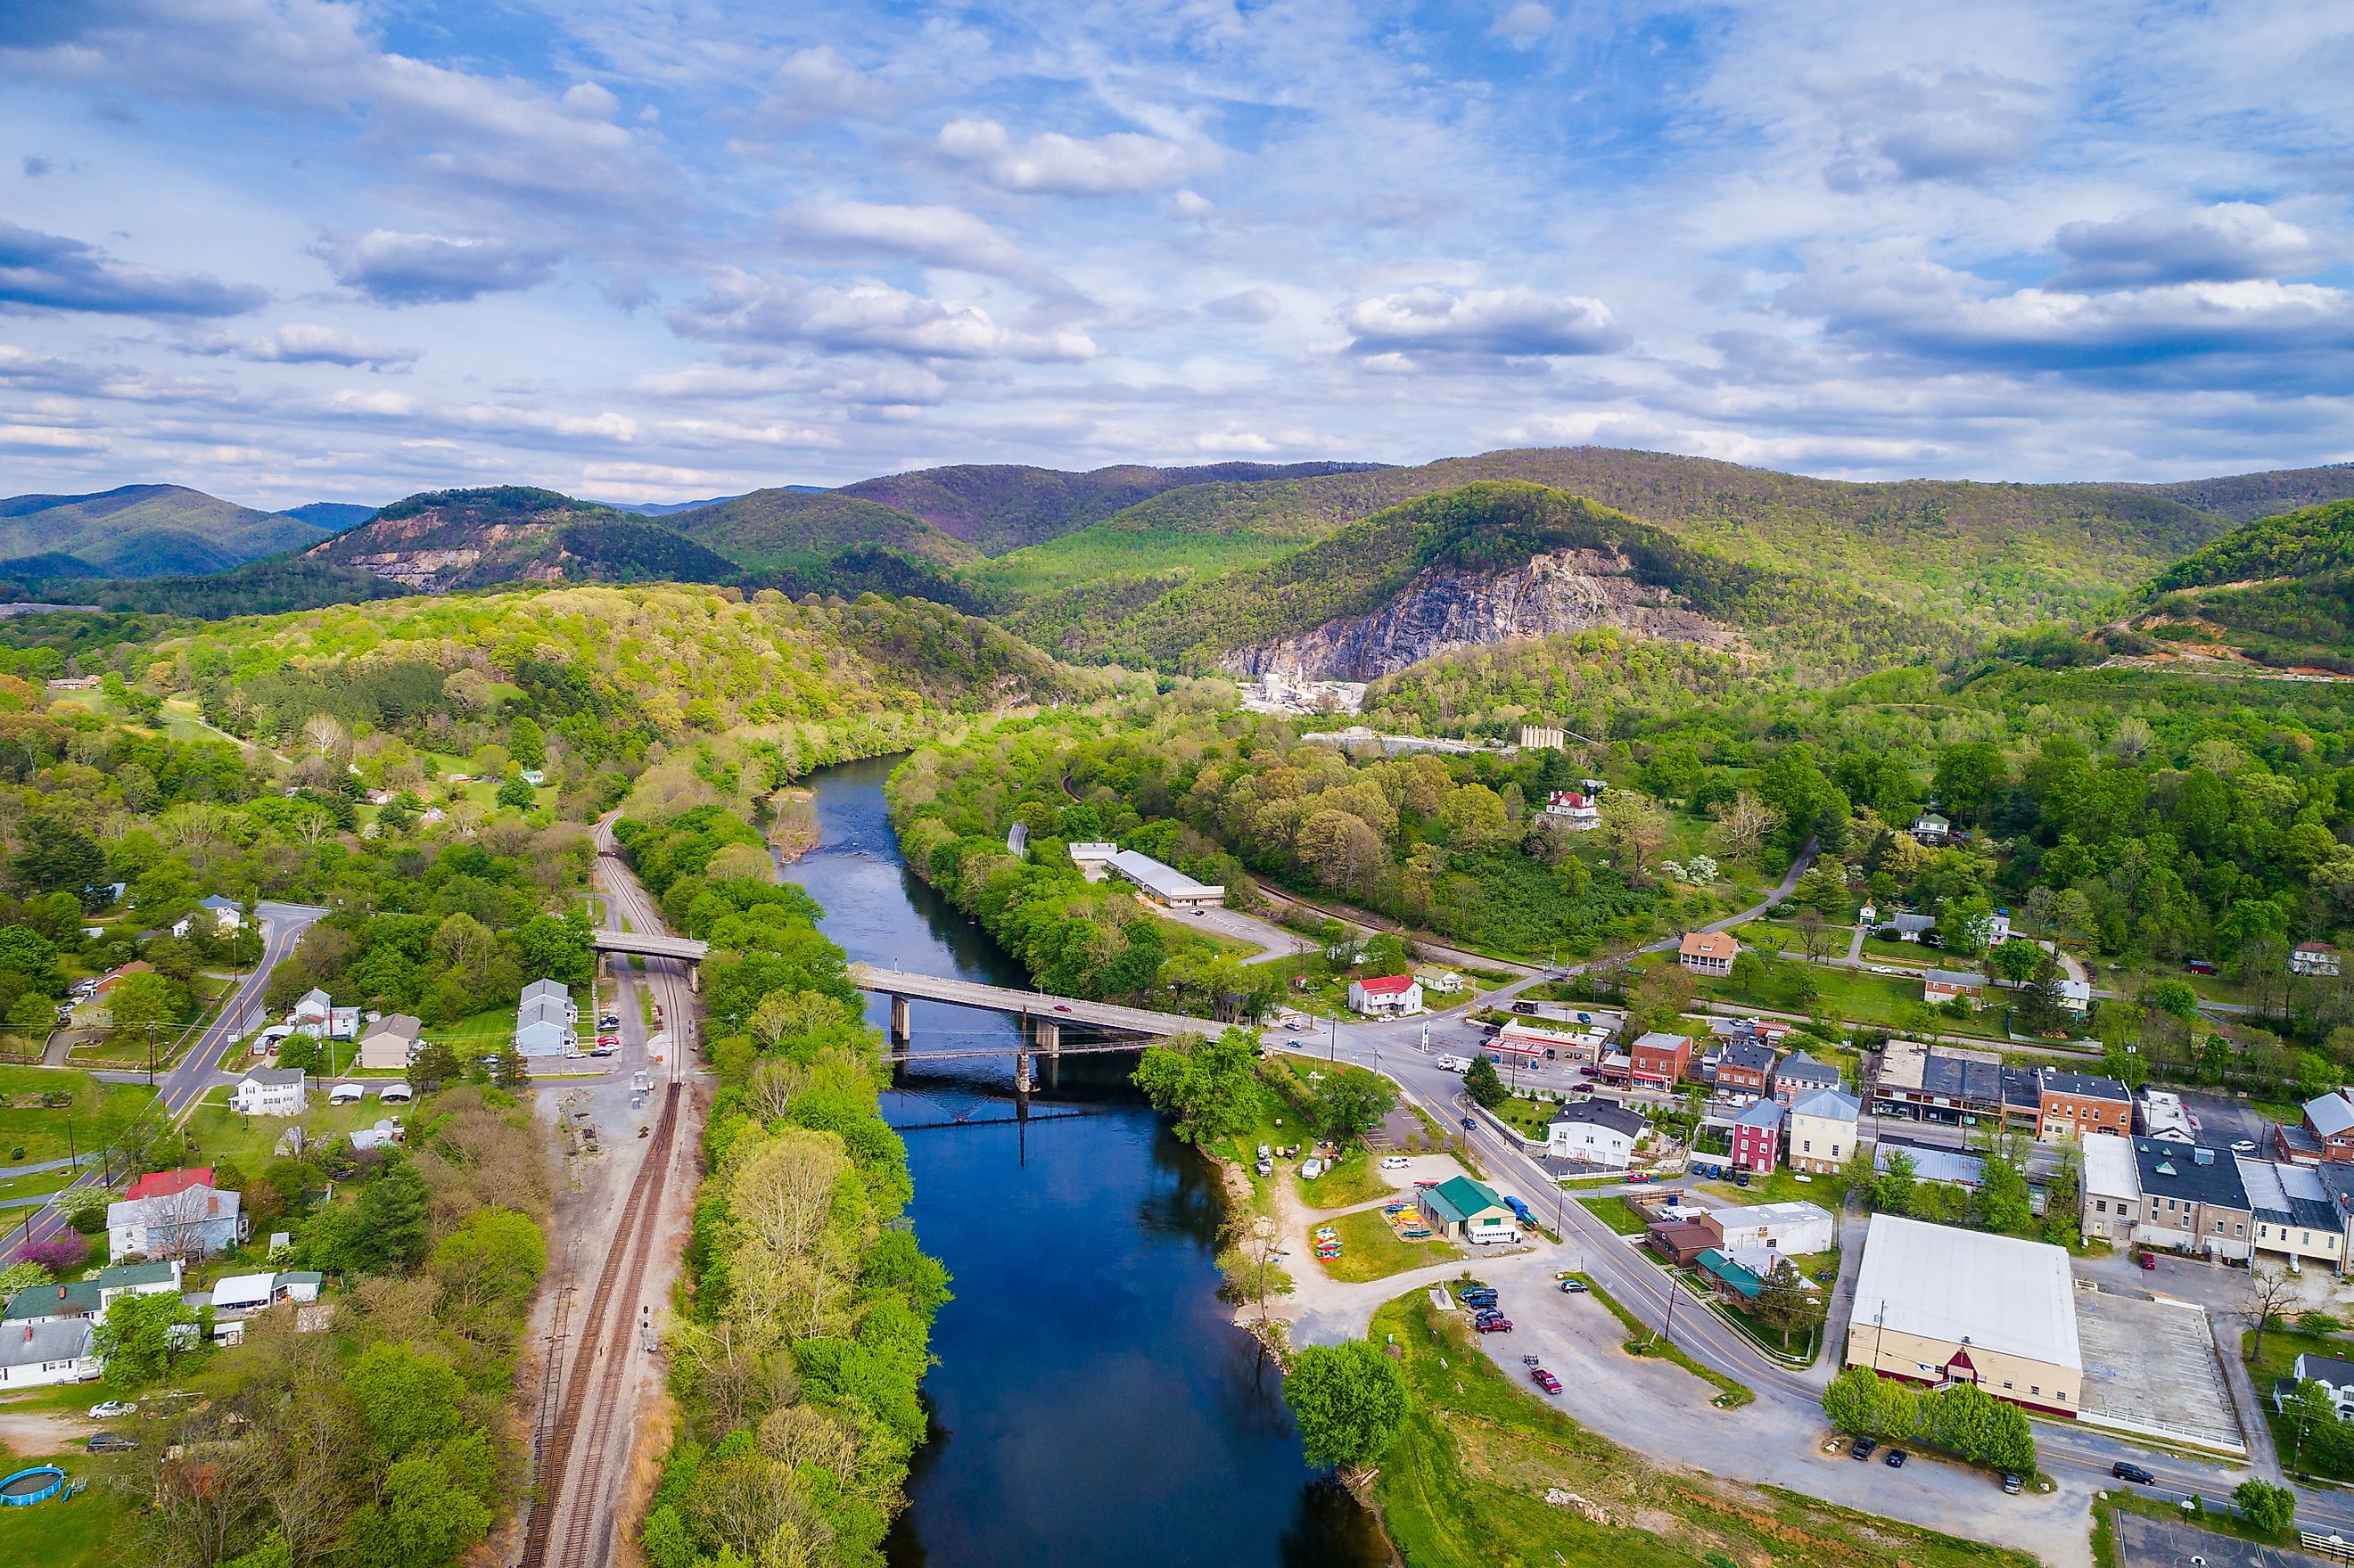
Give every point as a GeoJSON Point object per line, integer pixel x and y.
{"type": "Point", "coordinates": [2313, 959]}
{"type": "Point", "coordinates": [106, 983]}
{"type": "Point", "coordinates": [1708, 952]}
{"type": "Point", "coordinates": [164, 1183]}
{"type": "Point", "coordinates": [1385, 996]}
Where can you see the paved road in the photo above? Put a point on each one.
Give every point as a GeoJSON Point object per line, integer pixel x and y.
{"type": "Point", "coordinates": [179, 1087]}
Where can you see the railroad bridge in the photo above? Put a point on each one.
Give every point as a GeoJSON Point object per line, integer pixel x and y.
{"type": "Point", "coordinates": [655, 945]}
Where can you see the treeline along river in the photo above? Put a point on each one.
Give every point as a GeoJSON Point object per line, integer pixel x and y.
{"type": "Point", "coordinates": [1092, 1404]}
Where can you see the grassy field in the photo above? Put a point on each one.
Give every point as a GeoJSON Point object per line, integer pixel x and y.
{"type": "Point", "coordinates": [40, 1132]}
{"type": "Point", "coordinates": [1465, 1483]}
{"type": "Point", "coordinates": [2282, 1347]}
{"type": "Point", "coordinates": [1350, 1179]}
{"type": "Point", "coordinates": [249, 1141]}
{"type": "Point", "coordinates": [35, 1184]}
{"type": "Point", "coordinates": [1781, 1186]}
{"type": "Point", "coordinates": [94, 1530]}
{"type": "Point", "coordinates": [1370, 1249]}
{"type": "Point", "coordinates": [1615, 1213]}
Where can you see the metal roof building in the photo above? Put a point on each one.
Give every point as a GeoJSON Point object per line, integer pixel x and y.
{"type": "Point", "coordinates": [1165, 884]}
{"type": "Point", "coordinates": [1937, 1305]}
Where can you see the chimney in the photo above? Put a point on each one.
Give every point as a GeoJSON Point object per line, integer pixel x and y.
{"type": "Point", "coordinates": [61, 1292]}
{"type": "Point", "coordinates": [28, 1333]}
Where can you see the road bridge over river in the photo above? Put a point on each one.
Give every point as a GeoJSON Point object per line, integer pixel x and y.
{"type": "Point", "coordinates": [1043, 1016]}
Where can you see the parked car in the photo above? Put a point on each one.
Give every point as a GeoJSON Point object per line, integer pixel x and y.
{"type": "Point", "coordinates": [1894, 1459]}
{"type": "Point", "coordinates": [2243, 1146]}
{"type": "Point", "coordinates": [107, 1410]}
{"type": "Point", "coordinates": [601, 1051]}
{"type": "Point", "coordinates": [109, 1443]}
{"type": "Point", "coordinates": [1396, 1162]}
{"type": "Point", "coordinates": [2010, 1482]}
{"type": "Point", "coordinates": [1740, 1178]}
{"type": "Point", "coordinates": [2146, 1259]}
{"type": "Point", "coordinates": [1477, 1296]}
{"type": "Point", "coordinates": [1544, 1380]}
{"type": "Point", "coordinates": [1493, 1326]}
{"type": "Point", "coordinates": [608, 1040]}
{"type": "Point", "coordinates": [1863, 1447]}
{"type": "Point", "coordinates": [2124, 1470]}
{"type": "Point", "coordinates": [610, 1021]}
{"type": "Point", "coordinates": [1572, 1288]}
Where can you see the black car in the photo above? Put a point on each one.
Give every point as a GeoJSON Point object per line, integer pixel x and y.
{"type": "Point", "coordinates": [2134, 1473]}
{"type": "Point", "coordinates": [1477, 1296]}
{"type": "Point", "coordinates": [1863, 1447]}
{"type": "Point", "coordinates": [109, 1443]}
{"type": "Point", "coordinates": [1894, 1459]}
{"type": "Point", "coordinates": [2010, 1482]}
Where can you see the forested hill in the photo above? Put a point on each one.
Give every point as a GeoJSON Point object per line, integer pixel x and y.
{"type": "Point", "coordinates": [140, 531]}
{"type": "Point", "coordinates": [447, 540]}
{"type": "Point", "coordinates": [799, 527]}
{"type": "Point", "coordinates": [1990, 554]}
{"type": "Point", "coordinates": [2300, 544]}
{"type": "Point", "coordinates": [998, 507]}
{"type": "Point", "coordinates": [2277, 593]}
{"type": "Point", "coordinates": [2244, 497]}
{"type": "Point", "coordinates": [1484, 530]}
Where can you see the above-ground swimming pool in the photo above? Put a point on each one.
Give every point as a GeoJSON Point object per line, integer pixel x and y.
{"type": "Point", "coordinates": [26, 1487]}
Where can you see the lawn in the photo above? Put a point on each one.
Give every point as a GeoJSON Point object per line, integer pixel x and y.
{"type": "Point", "coordinates": [1615, 1213]}
{"type": "Point", "coordinates": [250, 1142]}
{"type": "Point", "coordinates": [37, 1185]}
{"type": "Point", "coordinates": [1781, 1186]}
{"type": "Point", "coordinates": [1179, 936]}
{"type": "Point", "coordinates": [1860, 998]}
{"type": "Point", "coordinates": [1528, 1117]}
{"type": "Point", "coordinates": [1350, 1179]}
{"type": "Point", "coordinates": [2282, 1347]}
{"type": "Point", "coordinates": [1370, 1249]}
{"type": "Point", "coordinates": [42, 1132]}
{"type": "Point", "coordinates": [94, 1530]}
{"type": "Point", "coordinates": [1465, 1484]}
{"type": "Point", "coordinates": [477, 1035]}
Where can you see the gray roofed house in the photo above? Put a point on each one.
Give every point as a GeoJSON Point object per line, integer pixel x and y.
{"type": "Point", "coordinates": [1911, 928]}
{"type": "Point", "coordinates": [1798, 1073]}
{"type": "Point", "coordinates": [1833, 1103]}
{"type": "Point", "coordinates": [1602, 1113]}
{"type": "Point", "coordinates": [2192, 1199]}
{"type": "Point", "coordinates": [271, 1091]}
{"type": "Point", "coordinates": [1933, 1164]}
{"type": "Point", "coordinates": [51, 1352]}
{"type": "Point", "coordinates": [1594, 1132]}
{"type": "Point", "coordinates": [2331, 1115]}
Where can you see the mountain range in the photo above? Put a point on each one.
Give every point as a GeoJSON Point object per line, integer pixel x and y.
{"type": "Point", "coordinates": [1333, 569]}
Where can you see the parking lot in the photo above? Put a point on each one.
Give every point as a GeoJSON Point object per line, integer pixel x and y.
{"type": "Point", "coordinates": [2150, 1367]}
{"type": "Point", "coordinates": [2163, 1544]}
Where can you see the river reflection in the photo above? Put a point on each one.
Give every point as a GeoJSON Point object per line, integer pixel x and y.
{"type": "Point", "coordinates": [1092, 1404]}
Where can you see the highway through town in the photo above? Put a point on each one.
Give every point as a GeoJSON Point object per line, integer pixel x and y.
{"type": "Point", "coordinates": [183, 1083]}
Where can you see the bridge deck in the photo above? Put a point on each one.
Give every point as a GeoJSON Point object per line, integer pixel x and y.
{"type": "Point", "coordinates": [1035, 1004]}
{"type": "Point", "coordinates": [652, 944]}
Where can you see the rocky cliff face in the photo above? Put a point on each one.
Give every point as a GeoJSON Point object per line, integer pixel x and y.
{"type": "Point", "coordinates": [1447, 608]}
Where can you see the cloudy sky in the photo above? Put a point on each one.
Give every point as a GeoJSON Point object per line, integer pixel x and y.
{"type": "Point", "coordinates": [650, 249]}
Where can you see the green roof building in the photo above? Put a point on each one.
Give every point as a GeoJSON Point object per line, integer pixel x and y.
{"type": "Point", "coordinates": [1463, 1210]}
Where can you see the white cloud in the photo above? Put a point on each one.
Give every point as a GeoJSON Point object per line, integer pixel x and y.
{"type": "Point", "coordinates": [1523, 23]}
{"type": "Point", "coordinates": [863, 317]}
{"type": "Point", "coordinates": [817, 84]}
{"type": "Point", "coordinates": [1506, 323]}
{"type": "Point", "coordinates": [2225, 242]}
{"type": "Point", "coordinates": [938, 236]}
{"type": "Point", "coordinates": [397, 268]}
{"type": "Point", "coordinates": [1959, 123]}
{"type": "Point", "coordinates": [1056, 165]}
{"type": "Point", "coordinates": [300, 342]}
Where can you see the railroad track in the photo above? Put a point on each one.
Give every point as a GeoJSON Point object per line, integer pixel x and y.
{"type": "Point", "coordinates": [602, 1359]}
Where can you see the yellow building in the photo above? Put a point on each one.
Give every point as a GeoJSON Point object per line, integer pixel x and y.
{"type": "Point", "coordinates": [1939, 1306]}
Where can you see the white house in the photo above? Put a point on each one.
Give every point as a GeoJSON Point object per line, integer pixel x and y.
{"type": "Point", "coordinates": [1385, 996]}
{"type": "Point", "coordinates": [2076, 996]}
{"type": "Point", "coordinates": [1992, 930]}
{"type": "Point", "coordinates": [2313, 959]}
{"type": "Point", "coordinates": [311, 1013]}
{"type": "Point", "coordinates": [1594, 1132]}
{"type": "Point", "coordinates": [1446, 982]}
{"type": "Point", "coordinates": [272, 1091]}
{"type": "Point", "coordinates": [544, 1016]}
{"type": "Point", "coordinates": [1912, 927]}
{"type": "Point", "coordinates": [383, 1135]}
{"type": "Point", "coordinates": [1798, 1228]}
{"type": "Point", "coordinates": [1574, 810]}
{"type": "Point", "coordinates": [194, 1222]}
{"type": "Point", "coordinates": [1932, 828]}
{"type": "Point", "coordinates": [241, 1292]}
{"type": "Point", "coordinates": [156, 1278]}
{"type": "Point", "coordinates": [36, 1354]}
{"type": "Point", "coordinates": [2334, 1375]}
{"type": "Point", "coordinates": [224, 913]}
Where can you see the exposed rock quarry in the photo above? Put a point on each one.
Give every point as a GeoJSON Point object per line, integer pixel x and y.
{"type": "Point", "coordinates": [1446, 607]}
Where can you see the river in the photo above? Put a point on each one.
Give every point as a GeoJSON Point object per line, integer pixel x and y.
{"type": "Point", "coordinates": [1093, 1404]}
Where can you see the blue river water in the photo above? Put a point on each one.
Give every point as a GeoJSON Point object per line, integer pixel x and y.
{"type": "Point", "coordinates": [1093, 1405]}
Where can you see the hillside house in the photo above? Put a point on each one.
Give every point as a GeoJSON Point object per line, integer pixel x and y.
{"type": "Point", "coordinates": [544, 1016]}
{"type": "Point", "coordinates": [2313, 959]}
{"type": "Point", "coordinates": [2335, 1375]}
{"type": "Point", "coordinates": [1929, 828]}
{"type": "Point", "coordinates": [1574, 810]}
{"type": "Point", "coordinates": [193, 1222]}
{"type": "Point", "coordinates": [1708, 952]}
{"type": "Point", "coordinates": [1910, 927]}
{"type": "Point", "coordinates": [221, 914]}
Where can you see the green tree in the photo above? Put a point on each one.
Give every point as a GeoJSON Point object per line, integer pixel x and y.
{"type": "Point", "coordinates": [1893, 1190]}
{"type": "Point", "coordinates": [1849, 1399]}
{"type": "Point", "coordinates": [32, 1016]}
{"type": "Point", "coordinates": [1786, 1304]}
{"type": "Point", "coordinates": [1348, 1400]}
{"type": "Point", "coordinates": [2002, 1202]}
{"type": "Point", "coordinates": [517, 794]}
{"type": "Point", "coordinates": [142, 1336]}
{"type": "Point", "coordinates": [2016, 960]}
{"type": "Point", "coordinates": [393, 1213]}
{"type": "Point", "coordinates": [1484, 1084]}
{"type": "Point", "coordinates": [1824, 888]}
{"type": "Point", "coordinates": [526, 742]}
{"type": "Point", "coordinates": [490, 1261]}
{"type": "Point", "coordinates": [425, 1517]}
{"type": "Point", "coordinates": [2173, 997]}
{"type": "Point", "coordinates": [558, 947]}
{"type": "Point", "coordinates": [433, 1066]}
{"type": "Point", "coordinates": [2268, 1507]}
{"type": "Point", "coordinates": [405, 1398]}
{"type": "Point", "coordinates": [138, 1000]}
{"type": "Point", "coordinates": [1970, 779]}
{"type": "Point", "coordinates": [1208, 1088]}
{"type": "Point", "coordinates": [1348, 1102]}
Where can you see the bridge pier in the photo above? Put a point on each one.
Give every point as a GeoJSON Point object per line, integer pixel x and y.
{"type": "Point", "coordinates": [900, 1029]}
{"type": "Point", "coordinates": [1048, 1035]}
{"type": "Point", "coordinates": [1022, 1084]}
